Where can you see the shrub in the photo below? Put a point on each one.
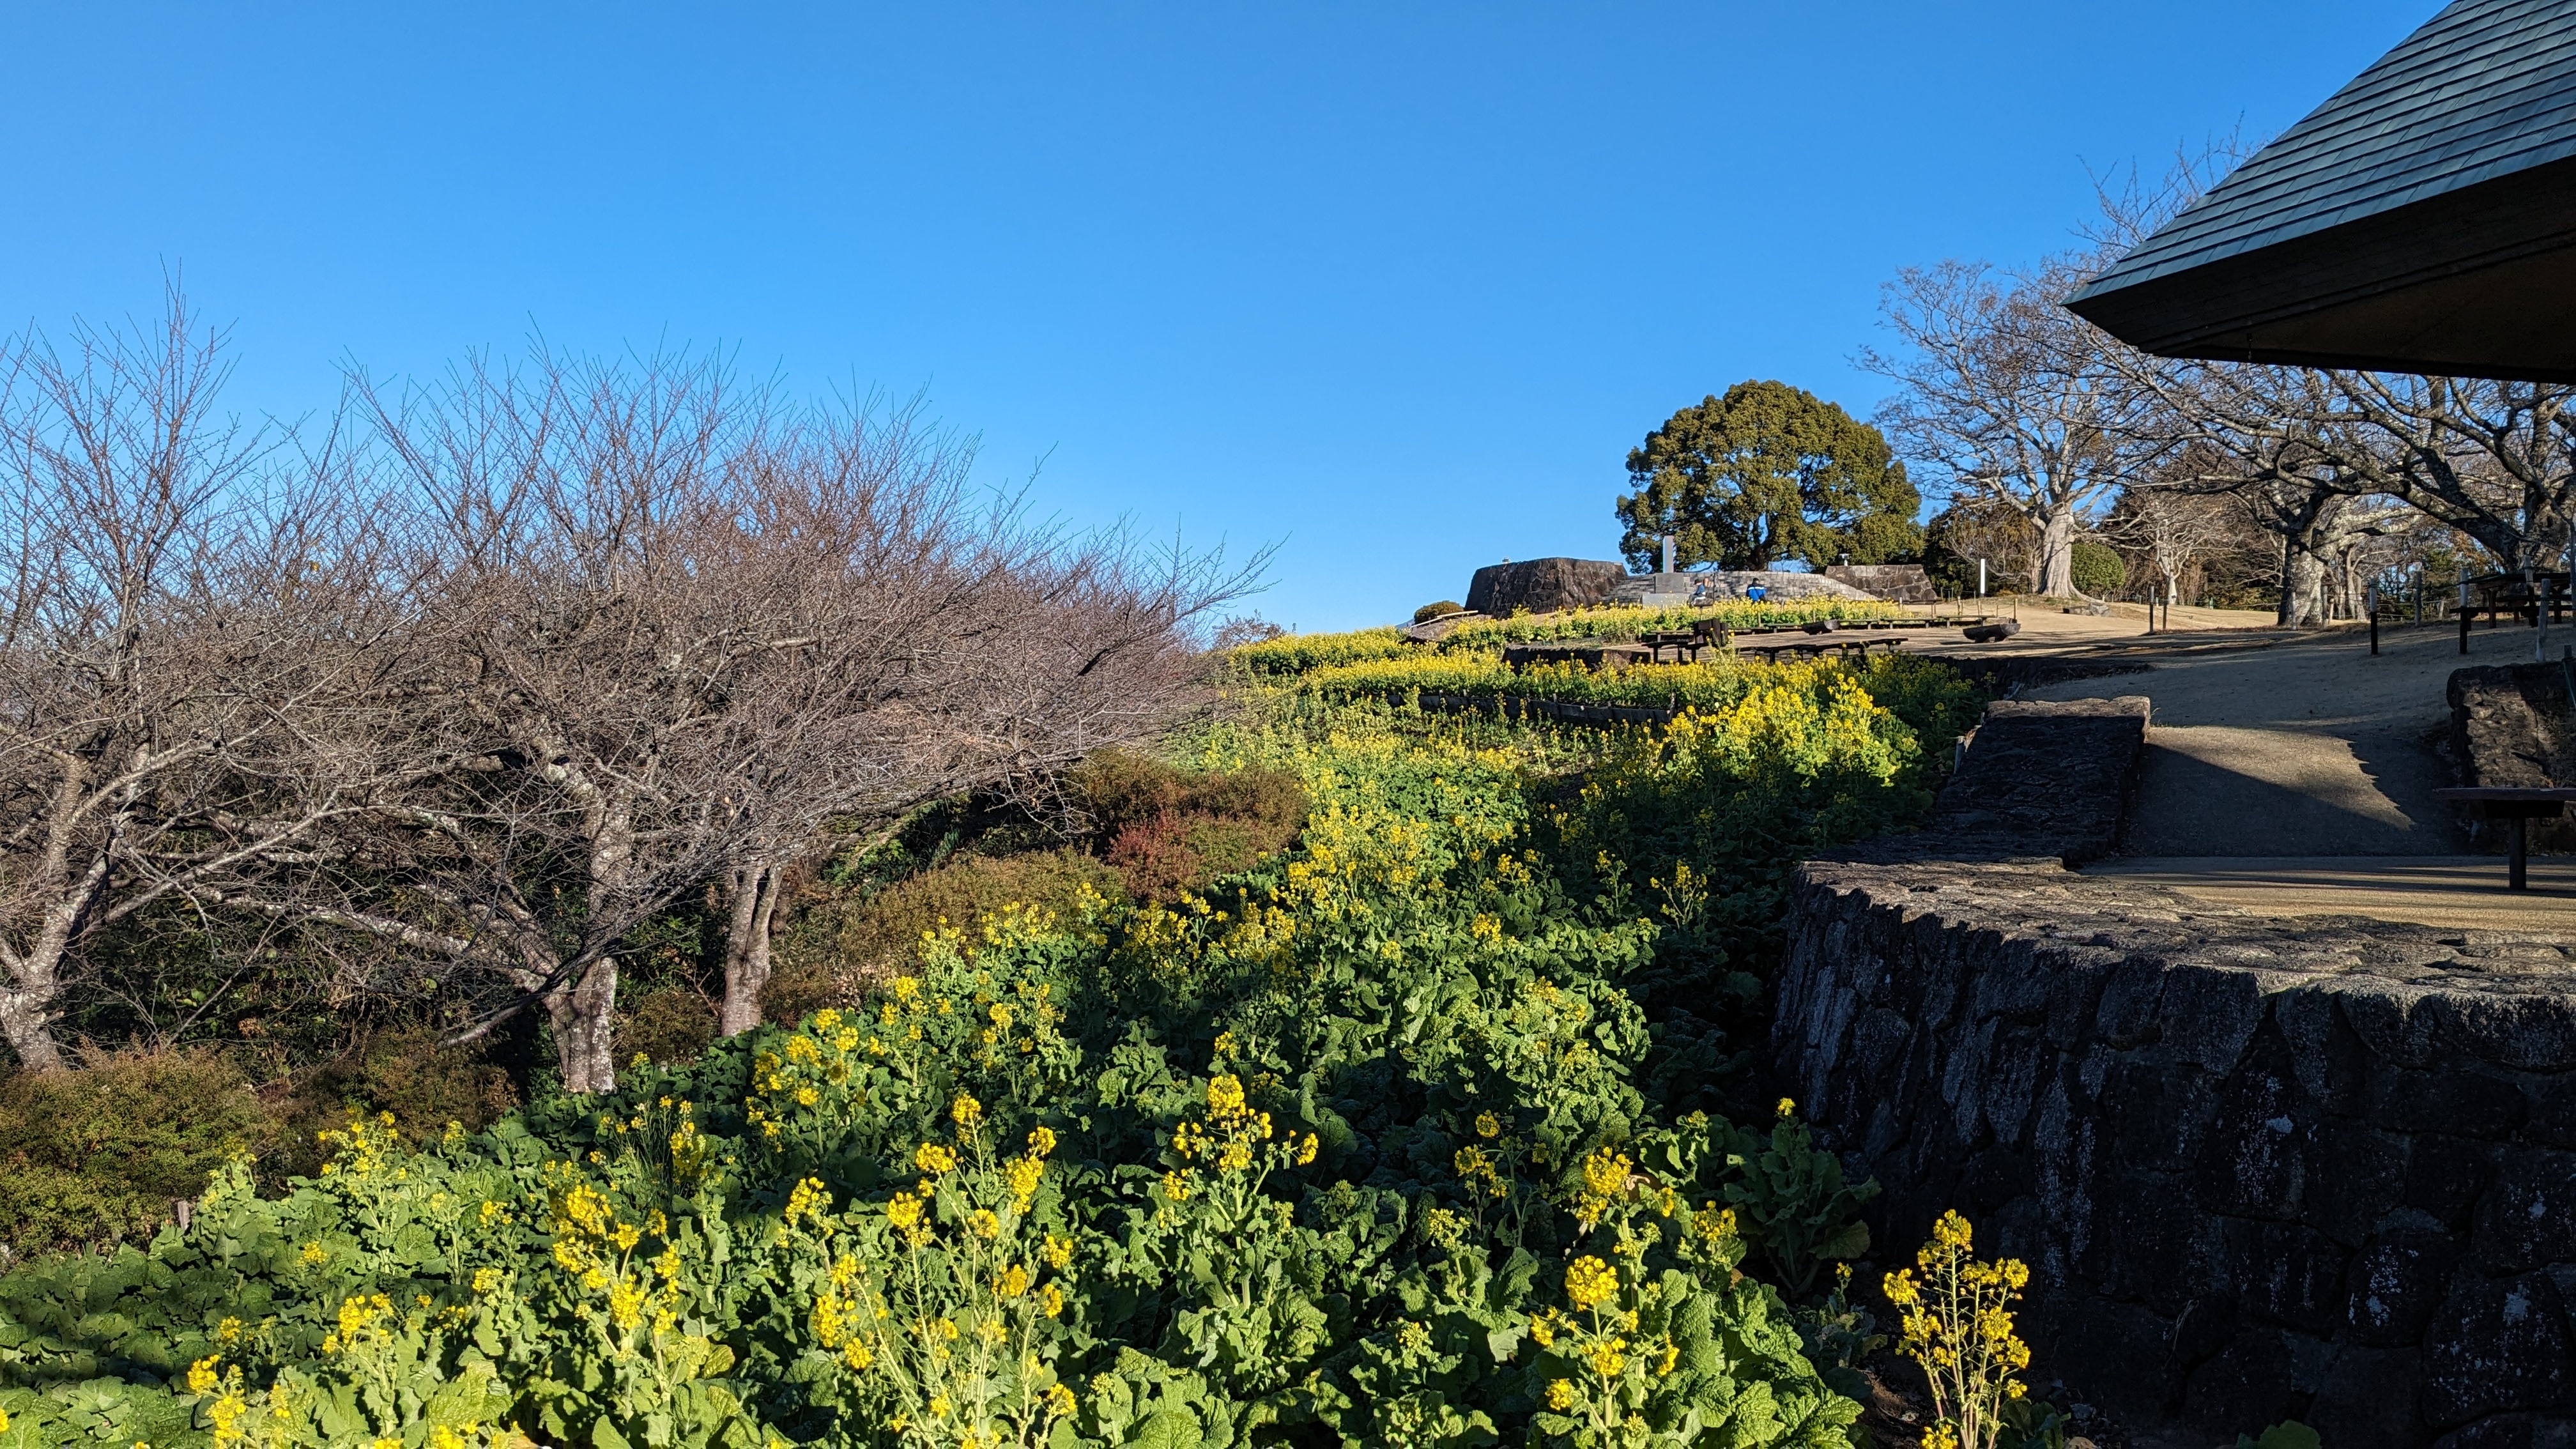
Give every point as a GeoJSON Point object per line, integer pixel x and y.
{"type": "Point", "coordinates": [881, 936]}
{"type": "Point", "coordinates": [426, 1084]}
{"type": "Point", "coordinates": [668, 1025]}
{"type": "Point", "coordinates": [1429, 612]}
{"type": "Point", "coordinates": [1120, 788]}
{"type": "Point", "coordinates": [2098, 568]}
{"type": "Point", "coordinates": [408, 1072]}
{"type": "Point", "coordinates": [1169, 830]}
{"type": "Point", "coordinates": [100, 1155]}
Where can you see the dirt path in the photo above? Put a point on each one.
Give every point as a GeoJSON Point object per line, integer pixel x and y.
{"type": "Point", "coordinates": [2299, 746]}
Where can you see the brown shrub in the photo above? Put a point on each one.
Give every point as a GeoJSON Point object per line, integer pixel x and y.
{"type": "Point", "coordinates": [1162, 830]}
{"type": "Point", "coordinates": [886, 931]}
{"type": "Point", "coordinates": [1162, 858]}
{"type": "Point", "coordinates": [1171, 830]}
{"type": "Point", "coordinates": [802, 982]}
{"type": "Point", "coordinates": [670, 1025]}
{"type": "Point", "coordinates": [839, 949]}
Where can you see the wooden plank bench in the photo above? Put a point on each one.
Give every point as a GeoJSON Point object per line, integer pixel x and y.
{"type": "Point", "coordinates": [2519, 804]}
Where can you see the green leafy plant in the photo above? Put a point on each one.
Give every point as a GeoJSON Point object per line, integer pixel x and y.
{"type": "Point", "coordinates": [1796, 1207]}
{"type": "Point", "coordinates": [1305, 1151]}
{"type": "Point", "coordinates": [1957, 1323]}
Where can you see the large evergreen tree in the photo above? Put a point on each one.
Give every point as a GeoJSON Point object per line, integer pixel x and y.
{"type": "Point", "coordinates": [1768, 472]}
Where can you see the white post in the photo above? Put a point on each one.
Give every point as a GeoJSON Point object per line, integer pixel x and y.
{"type": "Point", "coordinates": [1981, 578]}
{"type": "Point", "coordinates": [1668, 553]}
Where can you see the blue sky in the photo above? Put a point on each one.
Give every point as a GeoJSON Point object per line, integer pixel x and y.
{"type": "Point", "coordinates": [1393, 286]}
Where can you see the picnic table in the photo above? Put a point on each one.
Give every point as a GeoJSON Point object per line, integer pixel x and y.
{"type": "Point", "coordinates": [2519, 804]}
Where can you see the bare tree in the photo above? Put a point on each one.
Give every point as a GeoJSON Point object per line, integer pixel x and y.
{"type": "Point", "coordinates": [662, 635]}
{"type": "Point", "coordinates": [586, 619]}
{"type": "Point", "coordinates": [2007, 396]}
{"type": "Point", "coordinates": [976, 655]}
{"type": "Point", "coordinates": [181, 620]}
{"type": "Point", "coordinates": [2311, 450]}
{"type": "Point", "coordinates": [2495, 460]}
{"type": "Point", "coordinates": [2318, 453]}
{"type": "Point", "coordinates": [2171, 528]}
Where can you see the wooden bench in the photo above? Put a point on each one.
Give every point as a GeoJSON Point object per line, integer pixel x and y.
{"type": "Point", "coordinates": [2517, 804]}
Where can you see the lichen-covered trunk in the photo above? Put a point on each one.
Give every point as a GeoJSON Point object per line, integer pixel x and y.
{"type": "Point", "coordinates": [755, 903]}
{"type": "Point", "coordinates": [2303, 588]}
{"type": "Point", "coordinates": [26, 1018]}
{"type": "Point", "coordinates": [49, 903]}
{"type": "Point", "coordinates": [2057, 552]}
{"type": "Point", "coordinates": [584, 1015]}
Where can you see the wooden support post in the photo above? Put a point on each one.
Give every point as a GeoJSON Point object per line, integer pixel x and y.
{"type": "Point", "coordinates": [2464, 631]}
{"type": "Point", "coordinates": [2513, 875]}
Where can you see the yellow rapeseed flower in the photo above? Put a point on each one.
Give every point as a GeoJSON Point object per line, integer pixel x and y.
{"type": "Point", "coordinates": [1590, 1282]}
{"type": "Point", "coordinates": [1605, 1172]}
{"type": "Point", "coordinates": [1022, 1175]}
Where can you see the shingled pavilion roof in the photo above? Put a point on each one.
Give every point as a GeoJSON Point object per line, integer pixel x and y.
{"type": "Point", "coordinates": [2422, 220]}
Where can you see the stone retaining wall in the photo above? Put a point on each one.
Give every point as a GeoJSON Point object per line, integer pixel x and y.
{"type": "Point", "coordinates": [2511, 725]}
{"type": "Point", "coordinates": [2260, 1169]}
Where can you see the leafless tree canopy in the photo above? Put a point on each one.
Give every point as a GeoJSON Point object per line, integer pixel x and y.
{"type": "Point", "coordinates": [2015, 401]}
{"type": "Point", "coordinates": [191, 615]}
{"type": "Point", "coordinates": [496, 669]}
{"type": "Point", "coordinates": [2006, 397]}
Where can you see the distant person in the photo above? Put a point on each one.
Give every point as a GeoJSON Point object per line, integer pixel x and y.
{"type": "Point", "coordinates": [1757, 592]}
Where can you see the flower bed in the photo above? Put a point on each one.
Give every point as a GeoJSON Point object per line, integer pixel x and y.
{"type": "Point", "coordinates": [1398, 1136]}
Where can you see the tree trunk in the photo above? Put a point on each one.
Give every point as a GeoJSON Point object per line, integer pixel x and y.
{"type": "Point", "coordinates": [755, 902]}
{"type": "Point", "coordinates": [23, 1020]}
{"type": "Point", "coordinates": [2354, 588]}
{"type": "Point", "coordinates": [2057, 552]}
{"type": "Point", "coordinates": [585, 1022]}
{"type": "Point", "coordinates": [2303, 589]}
